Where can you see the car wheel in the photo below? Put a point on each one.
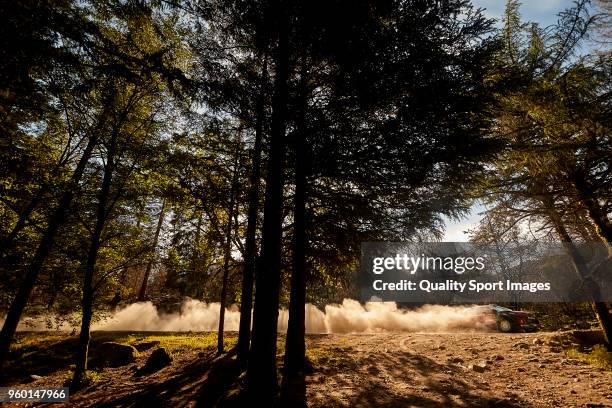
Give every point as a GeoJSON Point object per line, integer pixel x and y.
{"type": "Point", "coordinates": [504, 326]}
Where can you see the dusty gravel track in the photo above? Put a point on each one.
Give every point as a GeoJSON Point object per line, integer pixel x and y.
{"type": "Point", "coordinates": [375, 370]}
{"type": "Point", "coordinates": [433, 370]}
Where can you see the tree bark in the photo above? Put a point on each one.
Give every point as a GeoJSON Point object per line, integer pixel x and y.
{"type": "Point", "coordinates": [92, 256]}
{"type": "Point", "coordinates": [295, 347]}
{"type": "Point", "coordinates": [261, 373]}
{"type": "Point", "coordinates": [196, 258]}
{"type": "Point", "coordinates": [227, 254]}
{"type": "Point", "coordinates": [250, 251]}
{"type": "Point", "coordinates": [46, 244]}
{"type": "Point", "coordinates": [142, 293]}
{"type": "Point", "coordinates": [597, 216]}
{"type": "Point", "coordinates": [600, 309]}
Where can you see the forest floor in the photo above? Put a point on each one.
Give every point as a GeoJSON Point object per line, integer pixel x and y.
{"type": "Point", "coordinates": [350, 370]}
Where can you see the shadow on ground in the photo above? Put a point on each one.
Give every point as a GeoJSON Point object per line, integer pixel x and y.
{"type": "Point", "coordinates": [214, 382]}
{"type": "Point", "coordinates": [43, 358]}
{"type": "Point", "coordinates": [373, 384]}
{"type": "Point", "coordinates": [50, 353]}
{"type": "Point", "coordinates": [203, 383]}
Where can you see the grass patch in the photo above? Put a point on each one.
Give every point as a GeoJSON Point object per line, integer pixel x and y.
{"type": "Point", "coordinates": [27, 341]}
{"type": "Point", "coordinates": [598, 356]}
{"type": "Point", "coordinates": [172, 342]}
{"type": "Point", "coordinates": [339, 357]}
{"type": "Point", "coordinates": [177, 343]}
{"type": "Point", "coordinates": [318, 355]}
{"type": "Point", "coordinates": [89, 378]}
{"type": "Point", "coordinates": [587, 346]}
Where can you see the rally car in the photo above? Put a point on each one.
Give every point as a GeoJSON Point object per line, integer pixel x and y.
{"type": "Point", "coordinates": [508, 320]}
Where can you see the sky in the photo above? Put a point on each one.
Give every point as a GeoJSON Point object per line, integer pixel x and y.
{"type": "Point", "coordinates": [545, 13]}
{"type": "Point", "coordinates": [541, 11]}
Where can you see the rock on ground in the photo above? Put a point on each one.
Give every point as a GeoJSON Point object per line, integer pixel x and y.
{"type": "Point", "coordinates": [156, 361]}
{"type": "Point", "coordinates": [110, 354]}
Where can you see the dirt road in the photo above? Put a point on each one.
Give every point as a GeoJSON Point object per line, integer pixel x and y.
{"type": "Point", "coordinates": [444, 370]}
{"type": "Point", "coordinates": [350, 370]}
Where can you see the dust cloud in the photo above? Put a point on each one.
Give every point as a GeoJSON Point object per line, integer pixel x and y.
{"type": "Point", "coordinates": [193, 316]}
{"type": "Point", "coordinates": [348, 317]}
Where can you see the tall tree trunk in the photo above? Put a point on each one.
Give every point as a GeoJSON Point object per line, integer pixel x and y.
{"type": "Point", "coordinates": [600, 309]}
{"type": "Point", "coordinates": [46, 243]}
{"type": "Point", "coordinates": [250, 251]}
{"type": "Point", "coordinates": [142, 293]}
{"type": "Point", "coordinates": [195, 256]}
{"type": "Point", "coordinates": [92, 256]}
{"type": "Point", "coordinates": [295, 347]}
{"type": "Point", "coordinates": [597, 216]}
{"type": "Point", "coordinates": [227, 254]}
{"type": "Point", "coordinates": [262, 374]}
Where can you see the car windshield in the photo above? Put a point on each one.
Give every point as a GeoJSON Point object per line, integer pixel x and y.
{"type": "Point", "coordinates": [493, 308]}
{"type": "Point", "coordinates": [502, 309]}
